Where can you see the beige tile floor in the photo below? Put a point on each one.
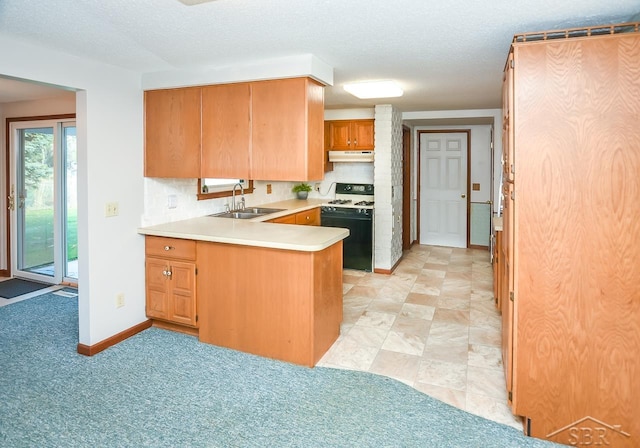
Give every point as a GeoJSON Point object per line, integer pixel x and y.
{"type": "Point", "coordinates": [431, 324]}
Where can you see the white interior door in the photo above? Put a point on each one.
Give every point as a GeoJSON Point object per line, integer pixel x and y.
{"type": "Point", "coordinates": [443, 189]}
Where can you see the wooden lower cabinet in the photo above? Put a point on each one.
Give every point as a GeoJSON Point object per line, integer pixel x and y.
{"type": "Point", "coordinates": [287, 219]}
{"type": "Point", "coordinates": [280, 304]}
{"type": "Point", "coordinates": [170, 274]}
{"type": "Point", "coordinates": [307, 217]}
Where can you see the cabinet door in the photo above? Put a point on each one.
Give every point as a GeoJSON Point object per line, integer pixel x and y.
{"type": "Point", "coordinates": [339, 135]}
{"type": "Point", "coordinates": [507, 310]}
{"type": "Point", "coordinates": [183, 293]}
{"type": "Point", "coordinates": [172, 133]}
{"type": "Point", "coordinates": [226, 131]}
{"type": "Point", "coordinates": [309, 217]}
{"type": "Point", "coordinates": [328, 166]}
{"type": "Point", "coordinates": [497, 267]}
{"type": "Point", "coordinates": [362, 133]}
{"type": "Point", "coordinates": [287, 130]}
{"type": "Point", "coordinates": [157, 292]}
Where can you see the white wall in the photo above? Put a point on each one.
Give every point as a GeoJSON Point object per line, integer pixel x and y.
{"type": "Point", "coordinates": [63, 104]}
{"type": "Point", "coordinates": [460, 116]}
{"type": "Point", "coordinates": [283, 67]}
{"type": "Point", "coordinates": [110, 160]}
{"type": "Point", "coordinates": [349, 114]}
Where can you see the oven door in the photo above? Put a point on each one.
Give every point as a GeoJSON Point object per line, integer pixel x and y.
{"type": "Point", "coordinates": [357, 248]}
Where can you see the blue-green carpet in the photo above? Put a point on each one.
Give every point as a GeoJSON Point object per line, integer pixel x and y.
{"type": "Point", "coordinates": [164, 389]}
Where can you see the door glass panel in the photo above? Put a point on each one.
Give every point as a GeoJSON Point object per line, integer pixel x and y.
{"type": "Point", "coordinates": [71, 202]}
{"type": "Point", "coordinates": [36, 201]}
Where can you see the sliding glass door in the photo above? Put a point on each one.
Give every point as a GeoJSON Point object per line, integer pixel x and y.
{"type": "Point", "coordinates": [44, 238]}
{"type": "Point", "coordinates": [70, 206]}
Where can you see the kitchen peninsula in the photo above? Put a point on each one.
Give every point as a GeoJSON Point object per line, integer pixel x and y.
{"type": "Point", "coordinates": [274, 290]}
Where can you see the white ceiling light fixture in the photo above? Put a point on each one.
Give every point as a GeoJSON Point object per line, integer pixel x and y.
{"type": "Point", "coordinates": [374, 89]}
{"type": "Point", "coordinates": [194, 2]}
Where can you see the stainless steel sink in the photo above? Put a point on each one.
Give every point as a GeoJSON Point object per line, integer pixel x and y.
{"type": "Point", "coordinates": [247, 213]}
{"type": "Point", "coordinates": [262, 211]}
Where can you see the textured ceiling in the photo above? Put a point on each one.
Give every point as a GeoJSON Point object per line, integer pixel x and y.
{"type": "Point", "coordinates": [445, 54]}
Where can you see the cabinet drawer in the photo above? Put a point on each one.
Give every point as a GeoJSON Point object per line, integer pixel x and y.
{"type": "Point", "coordinates": [309, 217]}
{"type": "Point", "coordinates": [170, 247]}
{"type": "Point", "coordinates": [287, 219]}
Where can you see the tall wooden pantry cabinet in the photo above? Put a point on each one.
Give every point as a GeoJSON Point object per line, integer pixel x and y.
{"type": "Point", "coordinates": [572, 234]}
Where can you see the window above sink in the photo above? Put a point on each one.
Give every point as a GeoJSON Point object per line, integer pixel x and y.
{"type": "Point", "coordinates": [221, 188]}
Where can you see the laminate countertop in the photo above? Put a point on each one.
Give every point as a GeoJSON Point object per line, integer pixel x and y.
{"type": "Point", "coordinates": [255, 232]}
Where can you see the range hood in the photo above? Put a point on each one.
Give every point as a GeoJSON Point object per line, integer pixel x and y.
{"type": "Point", "coordinates": [350, 156]}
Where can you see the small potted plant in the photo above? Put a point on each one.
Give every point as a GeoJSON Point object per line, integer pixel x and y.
{"type": "Point", "coordinates": [302, 190]}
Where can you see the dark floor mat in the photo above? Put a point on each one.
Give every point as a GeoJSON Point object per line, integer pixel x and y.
{"type": "Point", "coordinates": [16, 287]}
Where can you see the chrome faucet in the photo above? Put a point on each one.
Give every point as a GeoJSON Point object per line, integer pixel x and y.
{"type": "Point", "coordinates": [233, 197]}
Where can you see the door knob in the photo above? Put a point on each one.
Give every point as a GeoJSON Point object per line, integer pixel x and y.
{"type": "Point", "coordinates": [463, 195]}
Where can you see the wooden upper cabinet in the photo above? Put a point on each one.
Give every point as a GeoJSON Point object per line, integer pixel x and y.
{"type": "Point", "coordinates": [339, 135]}
{"type": "Point", "coordinates": [226, 131]}
{"type": "Point", "coordinates": [362, 134]}
{"type": "Point", "coordinates": [265, 130]}
{"type": "Point", "coordinates": [287, 130]}
{"type": "Point", "coordinates": [172, 133]}
{"type": "Point", "coordinates": [350, 135]}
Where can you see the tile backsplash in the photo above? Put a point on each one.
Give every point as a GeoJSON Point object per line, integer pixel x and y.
{"type": "Point", "coordinates": [182, 193]}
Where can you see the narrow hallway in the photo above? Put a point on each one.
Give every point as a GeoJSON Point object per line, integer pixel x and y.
{"type": "Point", "coordinates": [433, 325]}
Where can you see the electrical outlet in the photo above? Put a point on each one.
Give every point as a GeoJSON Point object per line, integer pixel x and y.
{"type": "Point", "coordinates": [268, 188]}
{"type": "Point", "coordinates": [172, 201]}
{"type": "Point", "coordinates": [318, 188]}
{"type": "Point", "coordinates": [111, 209]}
{"type": "Point", "coordinates": [119, 300]}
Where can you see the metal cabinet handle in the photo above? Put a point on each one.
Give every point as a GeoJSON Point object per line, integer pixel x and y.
{"type": "Point", "coordinates": [168, 247]}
